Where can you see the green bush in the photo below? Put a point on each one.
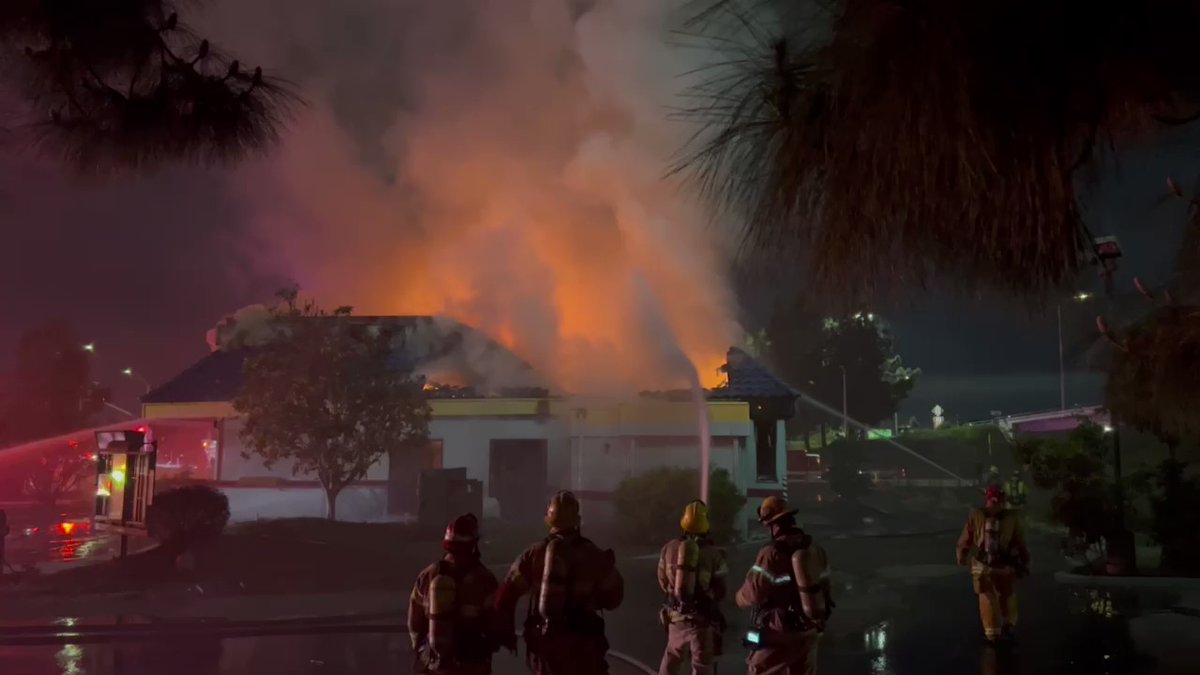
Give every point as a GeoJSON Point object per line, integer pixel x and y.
{"type": "Point", "coordinates": [1076, 471]}
{"type": "Point", "coordinates": [183, 516]}
{"type": "Point", "coordinates": [1176, 518]}
{"type": "Point", "coordinates": [649, 505]}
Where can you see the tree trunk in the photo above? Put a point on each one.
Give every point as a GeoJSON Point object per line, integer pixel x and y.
{"type": "Point", "coordinates": [808, 441]}
{"type": "Point", "coordinates": [331, 495]}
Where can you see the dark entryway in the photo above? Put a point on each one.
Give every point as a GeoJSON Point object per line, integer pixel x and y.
{"type": "Point", "coordinates": [404, 472]}
{"type": "Point", "coordinates": [517, 477]}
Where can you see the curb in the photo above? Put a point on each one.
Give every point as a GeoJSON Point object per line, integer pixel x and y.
{"type": "Point", "coordinates": [1177, 584]}
{"type": "Point", "coordinates": [895, 535]}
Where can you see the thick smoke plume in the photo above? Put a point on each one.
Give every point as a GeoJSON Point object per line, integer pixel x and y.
{"type": "Point", "coordinates": [500, 163]}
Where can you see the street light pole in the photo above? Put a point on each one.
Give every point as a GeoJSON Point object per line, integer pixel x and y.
{"type": "Point", "coordinates": [845, 414]}
{"type": "Point", "coordinates": [1062, 368]}
{"type": "Point", "coordinates": [129, 372]}
{"type": "Point", "coordinates": [1081, 296]}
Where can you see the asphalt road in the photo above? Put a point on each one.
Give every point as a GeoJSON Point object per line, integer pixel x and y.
{"type": "Point", "coordinates": [299, 655]}
{"type": "Point", "coordinates": [903, 608]}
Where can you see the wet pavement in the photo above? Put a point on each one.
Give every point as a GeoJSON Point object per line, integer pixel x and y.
{"type": "Point", "coordinates": [51, 539]}
{"type": "Point", "coordinates": [902, 609]}
{"type": "Point", "coordinates": [307, 654]}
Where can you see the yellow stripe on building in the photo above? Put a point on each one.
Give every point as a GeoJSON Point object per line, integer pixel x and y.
{"type": "Point", "coordinates": [596, 415]}
{"type": "Point", "coordinates": [183, 411]}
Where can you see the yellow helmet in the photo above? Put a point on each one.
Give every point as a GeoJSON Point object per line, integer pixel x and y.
{"type": "Point", "coordinates": [695, 518]}
{"type": "Point", "coordinates": [562, 513]}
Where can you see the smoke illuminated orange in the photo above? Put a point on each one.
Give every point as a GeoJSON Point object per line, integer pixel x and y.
{"type": "Point", "coordinates": [530, 203]}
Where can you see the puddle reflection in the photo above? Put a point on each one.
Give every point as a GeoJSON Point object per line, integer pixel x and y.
{"type": "Point", "coordinates": [215, 656]}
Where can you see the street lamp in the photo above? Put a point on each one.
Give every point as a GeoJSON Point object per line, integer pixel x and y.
{"type": "Point", "coordinates": [128, 372]}
{"type": "Point", "coordinates": [1081, 296]}
{"type": "Point", "coordinates": [845, 415]}
{"type": "Point", "coordinates": [90, 348]}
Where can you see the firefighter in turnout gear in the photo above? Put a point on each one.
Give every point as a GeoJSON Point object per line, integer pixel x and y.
{"type": "Point", "coordinates": [992, 477]}
{"type": "Point", "coordinates": [788, 589]}
{"type": "Point", "coordinates": [451, 612]}
{"type": "Point", "coordinates": [1015, 491]}
{"type": "Point", "coordinates": [570, 581]}
{"type": "Point", "coordinates": [1001, 557]}
{"type": "Point", "coordinates": [692, 572]}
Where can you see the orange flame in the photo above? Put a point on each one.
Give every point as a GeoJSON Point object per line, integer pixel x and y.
{"type": "Point", "coordinates": [530, 204]}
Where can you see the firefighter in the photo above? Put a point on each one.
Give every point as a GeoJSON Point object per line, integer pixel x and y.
{"type": "Point", "coordinates": [1015, 491]}
{"type": "Point", "coordinates": [1001, 557]}
{"type": "Point", "coordinates": [788, 589]}
{"type": "Point", "coordinates": [451, 611]}
{"type": "Point", "coordinates": [692, 573]}
{"type": "Point", "coordinates": [570, 581]}
{"type": "Point", "coordinates": [992, 478]}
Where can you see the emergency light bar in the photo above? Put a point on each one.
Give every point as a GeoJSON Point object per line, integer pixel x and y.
{"type": "Point", "coordinates": [124, 441]}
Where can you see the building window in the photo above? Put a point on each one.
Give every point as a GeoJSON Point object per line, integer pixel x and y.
{"type": "Point", "coordinates": [765, 443]}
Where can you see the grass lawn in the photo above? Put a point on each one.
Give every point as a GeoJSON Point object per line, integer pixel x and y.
{"type": "Point", "coordinates": [295, 555]}
{"type": "Point", "coordinates": [274, 556]}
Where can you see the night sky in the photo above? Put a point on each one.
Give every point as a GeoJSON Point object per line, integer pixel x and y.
{"type": "Point", "coordinates": [144, 266]}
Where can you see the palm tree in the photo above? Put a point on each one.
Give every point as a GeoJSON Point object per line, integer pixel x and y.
{"type": "Point", "coordinates": [123, 84]}
{"type": "Point", "coordinates": [1152, 371]}
{"type": "Point", "coordinates": [890, 142]}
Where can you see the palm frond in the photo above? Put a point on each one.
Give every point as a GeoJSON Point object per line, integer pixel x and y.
{"type": "Point", "coordinates": [887, 142]}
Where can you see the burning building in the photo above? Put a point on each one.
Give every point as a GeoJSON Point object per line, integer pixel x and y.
{"type": "Point", "coordinates": [494, 416]}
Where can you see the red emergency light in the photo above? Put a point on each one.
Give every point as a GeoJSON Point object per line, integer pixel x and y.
{"type": "Point", "coordinates": [66, 528]}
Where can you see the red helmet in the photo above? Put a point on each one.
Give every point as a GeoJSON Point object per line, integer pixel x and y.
{"type": "Point", "coordinates": [462, 534]}
{"type": "Point", "coordinates": [993, 494]}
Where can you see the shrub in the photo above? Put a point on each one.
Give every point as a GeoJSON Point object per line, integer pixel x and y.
{"type": "Point", "coordinates": [1076, 471]}
{"type": "Point", "coordinates": [184, 516]}
{"type": "Point", "coordinates": [1175, 523]}
{"type": "Point", "coordinates": [649, 505]}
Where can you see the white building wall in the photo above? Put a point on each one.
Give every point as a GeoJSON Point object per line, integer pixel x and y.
{"type": "Point", "coordinates": [466, 442]}
{"type": "Point", "coordinates": [357, 503]}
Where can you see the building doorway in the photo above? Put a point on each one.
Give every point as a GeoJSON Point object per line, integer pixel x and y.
{"type": "Point", "coordinates": [517, 477]}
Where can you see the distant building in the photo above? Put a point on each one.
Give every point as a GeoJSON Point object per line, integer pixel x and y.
{"type": "Point", "coordinates": [1052, 421]}
{"type": "Point", "coordinates": [522, 443]}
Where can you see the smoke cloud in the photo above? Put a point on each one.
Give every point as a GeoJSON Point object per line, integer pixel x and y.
{"type": "Point", "coordinates": [500, 163]}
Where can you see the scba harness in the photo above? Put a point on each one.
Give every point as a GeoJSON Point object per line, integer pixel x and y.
{"type": "Point", "coordinates": [796, 613]}
{"type": "Point", "coordinates": [456, 631]}
{"type": "Point", "coordinates": [553, 610]}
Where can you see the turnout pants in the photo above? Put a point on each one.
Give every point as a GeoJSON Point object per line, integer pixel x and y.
{"type": "Point", "coordinates": [688, 638]}
{"type": "Point", "coordinates": [571, 655]}
{"type": "Point", "coordinates": [792, 654]}
{"type": "Point", "coordinates": [996, 587]}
